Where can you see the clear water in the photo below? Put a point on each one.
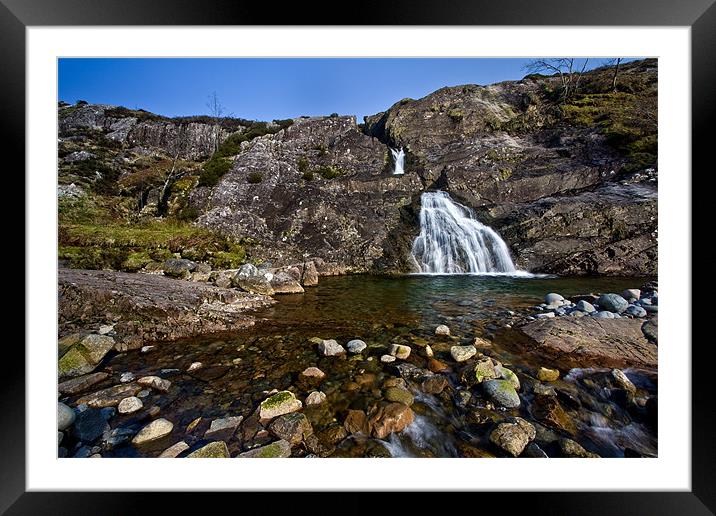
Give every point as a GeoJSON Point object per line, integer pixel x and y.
{"type": "Point", "coordinates": [381, 311]}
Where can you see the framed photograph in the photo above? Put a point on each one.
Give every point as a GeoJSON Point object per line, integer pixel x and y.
{"type": "Point", "coordinates": [422, 253]}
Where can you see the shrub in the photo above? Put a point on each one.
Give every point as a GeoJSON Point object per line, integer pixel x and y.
{"type": "Point", "coordinates": [302, 164]}
{"type": "Point", "coordinates": [329, 172]}
{"type": "Point", "coordinates": [283, 124]}
{"type": "Point", "coordinates": [308, 175]}
{"type": "Point", "coordinates": [333, 115]}
{"type": "Point", "coordinates": [213, 170]}
{"type": "Point", "coordinates": [255, 177]}
{"type": "Point", "coordinates": [188, 214]}
{"type": "Point", "coordinates": [82, 103]}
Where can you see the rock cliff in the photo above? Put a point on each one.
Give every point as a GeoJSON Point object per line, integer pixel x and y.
{"type": "Point", "coordinates": [570, 185]}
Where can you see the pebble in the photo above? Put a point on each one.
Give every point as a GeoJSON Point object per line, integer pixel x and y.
{"type": "Point", "coordinates": [544, 315]}
{"type": "Point", "coordinates": [155, 382]}
{"type": "Point", "coordinates": [552, 297]}
{"type": "Point", "coordinates": [400, 351]}
{"type": "Point", "coordinates": [174, 450]}
{"type": "Point", "coordinates": [387, 358]}
{"type": "Point", "coordinates": [65, 417]}
{"type": "Point", "coordinates": [154, 431]}
{"type": "Point", "coordinates": [547, 375]}
{"type": "Point", "coordinates": [126, 377]}
{"type": "Point", "coordinates": [129, 405]}
{"type": "Point", "coordinates": [463, 353]}
{"type": "Point", "coordinates": [313, 372]}
{"type": "Point", "coordinates": [194, 366]}
{"type": "Point", "coordinates": [315, 398]}
{"type": "Point", "coordinates": [442, 330]}
{"type": "Point", "coordinates": [330, 348]}
{"type": "Point", "coordinates": [356, 346]}
{"type": "Point", "coordinates": [147, 349]}
{"type": "Point", "coordinates": [429, 352]}
{"type": "Point", "coordinates": [623, 381]}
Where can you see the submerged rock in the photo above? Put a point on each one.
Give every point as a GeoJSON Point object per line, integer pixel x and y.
{"type": "Point", "coordinates": [571, 448]}
{"type": "Point", "coordinates": [129, 405]}
{"type": "Point", "coordinates": [223, 428]}
{"type": "Point", "coordinates": [315, 398]}
{"type": "Point", "coordinates": [485, 370]}
{"type": "Point", "coordinates": [356, 346]}
{"type": "Point", "coordinates": [330, 348]}
{"type": "Point", "coordinates": [400, 351]}
{"type": "Point", "coordinates": [399, 395]}
{"type": "Point", "coordinates": [81, 383]}
{"type": "Point", "coordinates": [174, 450]}
{"type": "Point", "coordinates": [292, 428]}
{"type": "Point", "coordinates": [442, 330]}
{"type": "Point", "coordinates": [313, 372]}
{"type": "Point", "coordinates": [462, 353]}
{"type": "Point", "coordinates": [154, 431]}
{"type": "Point", "coordinates": [545, 374]}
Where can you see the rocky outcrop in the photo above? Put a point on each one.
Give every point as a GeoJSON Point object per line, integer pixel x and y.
{"type": "Point", "coordinates": [590, 342]}
{"type": "Point", "coordinates": [147, 307]}
{"type": "Point", "coordinates": [189, 140]}
{"type": "Point", "coordinates": [325, 190]}
{"type": "Point", "coordinates": [571, 188]}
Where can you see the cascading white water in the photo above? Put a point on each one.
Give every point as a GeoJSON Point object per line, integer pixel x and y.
{"type": "Point", "coordinates": [453, 241]}
{"type": "Point", "coordinates": [399, 158]}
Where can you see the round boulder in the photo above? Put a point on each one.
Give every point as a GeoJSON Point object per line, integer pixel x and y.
{"type": "Point", "coordinates": [612, 303]}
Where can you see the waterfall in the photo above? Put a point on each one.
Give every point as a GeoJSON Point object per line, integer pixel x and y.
{"type": "Point", "coordinates": [399, 158]}
{"type": "Point", "coordinates": [453, 241]}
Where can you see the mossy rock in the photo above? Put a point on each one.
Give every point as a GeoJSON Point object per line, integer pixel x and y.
{"type": "Point", "coordinates": [74, 363]}
{"type": "Point", "coordinates": [215, 450]}
{"type": "Point", "coordinates": [277, 450]}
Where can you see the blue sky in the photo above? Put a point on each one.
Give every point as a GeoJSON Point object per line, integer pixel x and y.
{"type": "Point", "coordinates": [267, 89]}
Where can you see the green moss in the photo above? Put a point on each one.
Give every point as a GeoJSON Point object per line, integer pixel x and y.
{"type": "Point", "coordinates": [73, 362]}
{"type": "Point", "coordinates": [136, 261]}
{"type": "Point", "coordinates": [329, 172]}
{"type": "Point", "coordinates": [270, 451]}
{"type": "Point", "coordinates": [228, 259]}
{"type": "Point", "coordinates": [302, 164]}
{"type": "Point", "coordinates": [504, 173]}
{"type": "Point", "coordinates": [255, 177]}
{"type": "Point", "coordinates": [308, 175]}
{"type": "Point", "coordinates": [277, 400]}
{"type": "Point", "coordinates": [456, 115]}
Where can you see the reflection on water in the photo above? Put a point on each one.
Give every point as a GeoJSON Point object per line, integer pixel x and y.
{"type": "Point", "coordinates": [239, 369]}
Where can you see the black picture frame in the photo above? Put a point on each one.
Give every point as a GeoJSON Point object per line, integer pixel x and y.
{"type": "Point", "coordinates": [700, 15]}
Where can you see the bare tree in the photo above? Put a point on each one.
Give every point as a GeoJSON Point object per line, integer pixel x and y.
{"type": "Point", "coordinates": [615, 63]}
{"type": "Point", "coordinates": [563, 67]}
{"type": "Point", "coordinates": [217, 112]}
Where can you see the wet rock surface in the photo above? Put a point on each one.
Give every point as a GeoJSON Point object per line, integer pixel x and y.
{"type": "Point", "coordinates": [150, 307]}
{"type": "Point", "coordinates": [253, 389]}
